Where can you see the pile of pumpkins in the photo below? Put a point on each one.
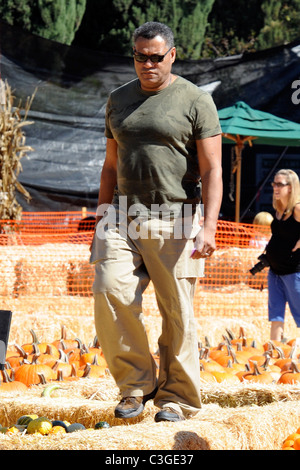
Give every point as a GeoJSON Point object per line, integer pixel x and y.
{"type": "Point", "coordinates": [33, 424]}
{"type": "Point", "coordinates": [242, 358]}
{"type": "Point", "coordinates": [43, 362]}
{"type": "Point", "coordinates": [233, 360]}
{"type": "Point", "coordinates": [292, 441]}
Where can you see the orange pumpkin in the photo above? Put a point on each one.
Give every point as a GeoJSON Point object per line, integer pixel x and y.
{"type": "Point", "coordinates": [57, 430]}
{"type": "Point", "coordinates": [44, 346]}
{"type": "Point", "coordinates": [206, 362]}
{"type": "Point", "coordinates": [258, 376]}
{"type": "Point", "coordinates": [29, 373]}
{"type": "Point", "coordinates": [288, 443]}
{"type": "Point", "coordinates": [261, 360]}
{"type": "Point", "coordinates": [93, 370]}
{"type": "Point", "coordinates": [65, 367]}
{"type": "Point", "coordinates": [75, 375]}
{"type": "Point", "coordinates": [274, 345]}
{"type": "Point", "coordinates": [234, 367]}
{"type": "Point", "coordinates": [9, 385]}
{"type": "Point", "coordinates": [218, 351]}
{"type": "Point", "coordinates": [74, 355]}
{"type": "Point", "coordinates": [225, 377]}
{"type": "Point", "coordinates": [271, 368]}
{"type": "Point", "coordinates": [16, 359]}
{"type": "Point", "coordinates": [296, 444]}
{"type": "Point", "coordinates": [290, 376]}
{"type": "Point", "coordinates": [89, 356]}
{"type": "Point", "coordinates": [245, 341]}
{"type": "Point", "coordinates": [9, 372]}
{"type": "Point", "coordinates": [205, 376]}
{"type": "Point", "coordinates": [284, 361]}
{"type": "Point", "coordinates": [238, 357]}
{"type": "Point", "coordinates": [65, 343]}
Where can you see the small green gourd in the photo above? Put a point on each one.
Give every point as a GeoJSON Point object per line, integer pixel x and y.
{"type": "Point", "coordinates": [25, 419]}
{"type": "Point", "coordinates": [101, 425]}
{"type": "Point", "coordinates": [49, 389]}
{"type": "Point", "coordinates": [41, 425]}
{"type": "Point", "coordinates": [76, 427]}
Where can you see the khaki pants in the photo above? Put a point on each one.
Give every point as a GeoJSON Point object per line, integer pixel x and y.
{"type": "Point", "coordinates": [124, 265]}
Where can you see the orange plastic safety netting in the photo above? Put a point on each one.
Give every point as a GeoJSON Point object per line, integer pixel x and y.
{"type": "Point", "coordinates": [46, 256]}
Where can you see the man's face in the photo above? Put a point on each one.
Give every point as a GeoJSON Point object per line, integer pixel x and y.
{"type": "Point", "coordinates": [154, 76]}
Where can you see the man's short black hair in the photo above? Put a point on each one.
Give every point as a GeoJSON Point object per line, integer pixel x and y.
{"type": "Point", "coordinates": [151, 29]}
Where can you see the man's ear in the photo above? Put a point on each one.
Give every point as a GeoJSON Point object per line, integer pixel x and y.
{"type": "Point", "coordinates": [173, 54]}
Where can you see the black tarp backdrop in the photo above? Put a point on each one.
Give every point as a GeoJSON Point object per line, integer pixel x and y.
{"type": "Point", "coordinates": [63, 171]}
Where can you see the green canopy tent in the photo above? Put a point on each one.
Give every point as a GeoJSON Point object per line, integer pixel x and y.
{"type": "Point", "coordinates": [242, 124]}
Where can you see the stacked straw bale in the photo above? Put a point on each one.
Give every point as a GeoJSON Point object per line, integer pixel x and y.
{"type": "Point", "coordinates": [63, 268]}
{"type": "Point", "coordinates": [50, 269]}
{"type": "Point", "coordinates": [218, 426]}
{"type": "Point", "coordinates": [45, 314]}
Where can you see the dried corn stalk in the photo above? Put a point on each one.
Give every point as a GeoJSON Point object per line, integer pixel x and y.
{"type": "Point", "coordinates": [12, 149]}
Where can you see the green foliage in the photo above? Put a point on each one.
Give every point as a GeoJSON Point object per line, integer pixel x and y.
{"type": "Point", "coordinates": [187, 18]}
{"type": "Point", "coordinates": [57, 20]}
{"type": "Point", "coordinates": [191, 26]}
{"type": "Point", "coordinates": [17, 12]}
{"type": "Point", "coordinates": [281, 23]}
{"type": "Point", "coordinates": [202, 28]}
{"type": "Point", "coordinates": [233, 27]}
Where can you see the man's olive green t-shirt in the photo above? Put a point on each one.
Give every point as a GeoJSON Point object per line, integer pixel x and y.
{"type": "Point", "coordinates": [156, 133]}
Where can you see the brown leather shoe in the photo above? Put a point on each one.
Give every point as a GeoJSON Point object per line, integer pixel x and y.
{"type": "Point", "coordinates": [168, 414]}
{"type": "Point", "coordinates": [129, 407]}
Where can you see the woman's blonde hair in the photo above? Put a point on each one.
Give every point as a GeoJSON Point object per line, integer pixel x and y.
{"type": "Point", "coordinates": [293, 180]}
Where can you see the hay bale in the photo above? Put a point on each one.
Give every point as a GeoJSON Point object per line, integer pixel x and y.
{"type": "Point", "coordinates": [213, 428]}
{"type": "Point", "coordinates": [45, 269]}
{"type": "Point", "coordinates": [40, 270]}
{"type": "Point", "coordinates": [74, 410]}
{"type": "Point", "coordinates": [62, 269]}
{"type": "Point", "coordinates": [248, 394]}
{"type": "Point", "coordinates": [232, 300]}
{"type": "Point", "coordinates": [40, 279]}
{"type": "Point", "coordinates": [46, 315]}
{"type": "Point", "coordinates": [240, 417]}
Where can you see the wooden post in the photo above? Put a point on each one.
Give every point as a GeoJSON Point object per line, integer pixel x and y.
{"type": "Point", "coordinates": [240, 143]}
{"type": "Point", "coordinates": [238, 153]}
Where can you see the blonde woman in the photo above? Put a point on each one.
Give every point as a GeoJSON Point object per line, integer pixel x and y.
{"type": "Point", "coordinates": [283, 252]}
